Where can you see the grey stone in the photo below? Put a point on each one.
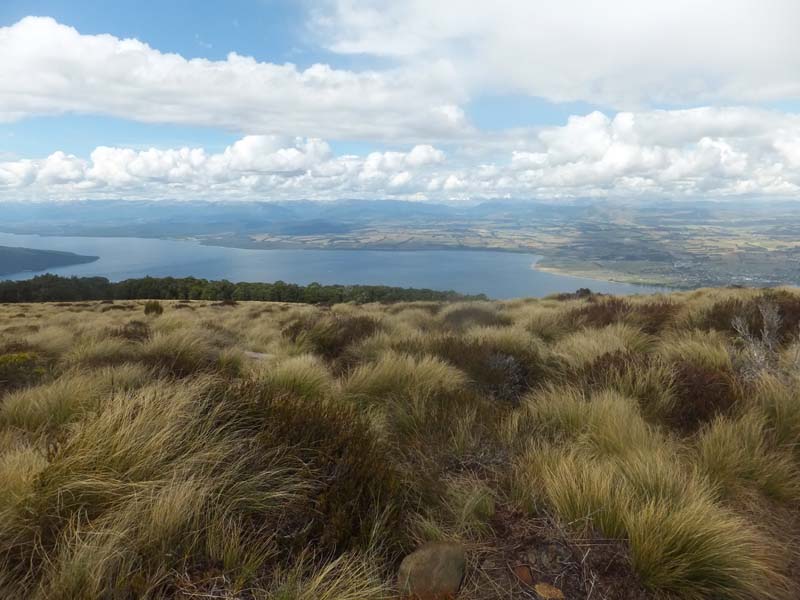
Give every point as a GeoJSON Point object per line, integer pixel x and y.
{"type": "Point", "coordinates": [433, 572]}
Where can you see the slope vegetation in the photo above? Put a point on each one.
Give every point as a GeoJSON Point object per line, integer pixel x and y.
{"type": "Point", "coordinates": [641, 447]}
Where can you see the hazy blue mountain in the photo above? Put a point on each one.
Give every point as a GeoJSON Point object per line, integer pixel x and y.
{"type": "Point", "coordinates": [17, 260]}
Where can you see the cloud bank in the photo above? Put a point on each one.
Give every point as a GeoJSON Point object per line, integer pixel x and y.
{"type": "Point", "coordinates": [707, 152]}
{"type": "Point", "coordinates": [617, 53]}
{"type": "Point", "coordinates": [435, 58]}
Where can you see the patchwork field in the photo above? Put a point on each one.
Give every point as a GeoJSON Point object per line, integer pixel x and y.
{"type": "Point", "coordinates": [581, 447]}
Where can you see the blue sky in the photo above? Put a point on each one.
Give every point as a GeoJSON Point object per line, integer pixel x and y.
{"type": "Point", "coordinates": [448, 100]}
{"type": "Point", "coordinates": [271, 30]}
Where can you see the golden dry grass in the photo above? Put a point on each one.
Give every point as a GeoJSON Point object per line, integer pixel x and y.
{"type": "Point", "coordinates": [277, 451]}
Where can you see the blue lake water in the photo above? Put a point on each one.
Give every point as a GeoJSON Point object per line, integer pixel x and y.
{"type": "Point", "coordinates": [496, 274]}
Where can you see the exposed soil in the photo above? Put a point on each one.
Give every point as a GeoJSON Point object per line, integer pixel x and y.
{"type": "Point", "coordinates": [525, 551]}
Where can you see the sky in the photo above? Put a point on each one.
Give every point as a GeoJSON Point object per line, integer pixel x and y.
{"type": "Point", "coordinates": [454, 100]}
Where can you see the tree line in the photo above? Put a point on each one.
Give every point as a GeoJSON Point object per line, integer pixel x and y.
{"type": "Point", "coordinates": [54, 288]}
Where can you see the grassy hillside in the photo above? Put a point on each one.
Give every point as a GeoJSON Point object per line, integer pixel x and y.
{"type": "Point", "coordinates": [615, 448]}
{"type": "Point", "coordinates": [17, 260]}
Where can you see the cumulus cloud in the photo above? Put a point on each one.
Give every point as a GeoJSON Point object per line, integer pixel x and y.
{"type": "Point", "coordinates": [704, 152]}
{"type": "Point", "coordinates": [50, 68]}
{"type": "Point", "coordinates": [269, 166]}
{"type": "Point", "coordinates": [619, 53]}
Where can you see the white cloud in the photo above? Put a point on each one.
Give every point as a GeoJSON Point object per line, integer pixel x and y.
{"type": "Point", "coordinates": [50, 68]}
{"type": "Point", "coordinates": [706, 152]}
{"type": "Point", "coordinates": [619, 53]}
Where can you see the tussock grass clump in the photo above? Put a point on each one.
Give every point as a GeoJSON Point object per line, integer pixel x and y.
{"type": "Point", "coordinates": [607, 421]}
{"type": "Point", "coordinates": [704, 383]}
{"type": "Point", "coordinates": [304, 376]}
{"type": "Point", "coordinates": [329, 335]}
{"type": "Point", "coordinates": [349, 577]}
{"type": "Point", "coordinates": [545, 323]}
{"type": "Point", "coordinates": [180, 352]}
{"type": "Point", "coordinates": [158, 468]}
{"type": "Point", "coordinates": [49, 406]}
{"type": "Point", "coordinates": [502, 362]}
{"type": "Point", "coordinates": [465, 512]}
{"type": "Point", "coordinates": [580, 349]}
{"type": "Point", "coordinates": [655, 316]}
{"type": "Point", "coordinates": [599, 312]}
{"type": "Point", "coordinates": [135, 331]}
{"type": "Point", "coordinates": [96, 352]}
{"type": "Point", "coordinates": [648, 379]}
{"type": "Point", "coordinates": [699, 550]}
{"type": "Point", "coordinates": [735, 454]}
{"type": "Point", "coordinates": [779, 403]}
{"type": "Point", "coordinates": [681, 541]}
{"type": "Point", "coordinates": [397, 375]}
{"type": "Point", "coordinates": [722, 314]}
{"type": "Point", "coordinates": [463, 315]}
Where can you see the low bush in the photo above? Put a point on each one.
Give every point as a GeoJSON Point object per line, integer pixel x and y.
{"type": "Point", "coordinates": [152, 308]}
{"type": "Point", "coordinates": [18, 369]}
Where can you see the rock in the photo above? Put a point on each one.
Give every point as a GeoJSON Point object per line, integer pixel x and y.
{"type": "Point", "coordinates": [523, 574]}
{"type": "Point", "coordinates": [545, 591]}
{"type": "Point", "coordinates": [433, 572]}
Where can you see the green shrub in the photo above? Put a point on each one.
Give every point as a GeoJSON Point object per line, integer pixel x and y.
{"type": "Point", "coordinates": [152, 307]}
{"type": "Point", "coordinates": [18, 369]}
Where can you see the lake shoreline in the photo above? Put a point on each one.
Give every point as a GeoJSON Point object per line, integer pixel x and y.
{"type": "Point", "coordinates": [540, 256]}
{"type": "Point", "coordinates": [467, 270]}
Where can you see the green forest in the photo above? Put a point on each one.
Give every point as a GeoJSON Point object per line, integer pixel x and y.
{"type": "Point", "coordinates": [53, 288]}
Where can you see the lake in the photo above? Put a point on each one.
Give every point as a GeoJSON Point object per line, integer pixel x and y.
{"type": "Point", "coordinates": [497, 274]}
